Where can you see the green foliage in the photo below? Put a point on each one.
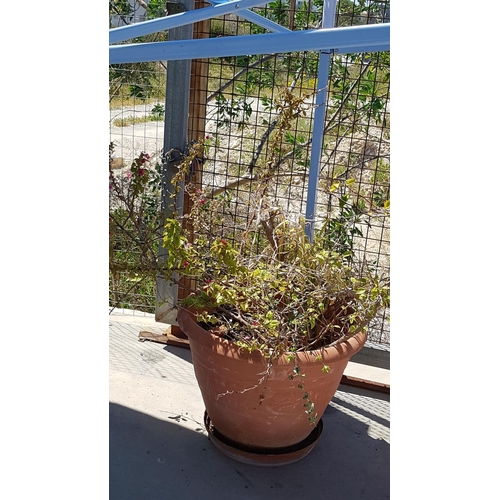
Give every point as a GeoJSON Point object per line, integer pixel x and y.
{"type": "Point", "coordinates": [341, 229]}
{"type": "Point", "coordinates": [265, 285]}
{"type": "Point", "coordinates": [137, 80]}
{"type": "Point", "coordinates": [261, 79]}
{"type": "Point", "coordinates": [156, 8]}
{"type": "Point", "coordinates": [237, 111]}
{"type": "Point", "coordinates": [158, 111]}
{"type": "Point", "coordinates": [305, 18]}
{"type": "Point", "coordinates": [139, 91]}
{"type": "Point", "coordinates": [278, 11]}
{"type": "Point", "coordinates": [140, 81]}
{"type": "Point", "coordinates": [381, 181]}
{"type": "Point", "coordinates": [308, 405]}
{"type": "Point", "coordinates": [135, 223]}
{"type": "Point", "coordinates": [121, 8]}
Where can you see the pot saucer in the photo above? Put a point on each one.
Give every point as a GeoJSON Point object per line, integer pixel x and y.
{"type": "Point", "coordinates": [264, 457]}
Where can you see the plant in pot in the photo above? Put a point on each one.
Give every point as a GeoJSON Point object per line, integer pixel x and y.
{"type": "Point", "coordinates": [272, 316]}
{"type": "Point", "coordinates": [135, 230]}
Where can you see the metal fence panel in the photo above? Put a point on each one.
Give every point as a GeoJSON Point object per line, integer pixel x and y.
{"type": "Point", "coordinates": [233, 114]}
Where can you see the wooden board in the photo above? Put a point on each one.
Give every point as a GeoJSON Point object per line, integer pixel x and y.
{"type": "Point", "coordinates": [164, 338]}
{"type": "Point", "coordinates": [366, 384]}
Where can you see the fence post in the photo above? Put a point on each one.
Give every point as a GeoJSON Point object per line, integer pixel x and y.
{"type": "Point", "coordinates": [328, 21]}
{"type": "Point", "coordinates": [175, 138]}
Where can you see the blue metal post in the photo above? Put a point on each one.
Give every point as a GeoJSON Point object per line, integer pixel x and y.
{"type": "Point", "coordinates": [319, 121]}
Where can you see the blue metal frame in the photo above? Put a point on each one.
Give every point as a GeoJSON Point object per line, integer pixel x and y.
{"type": "Point", "coordinates": [325, 40]}
{"type": "Point", "coordinates": [193, 16]}
{"type": "Point", "coordinates": [352, 39]}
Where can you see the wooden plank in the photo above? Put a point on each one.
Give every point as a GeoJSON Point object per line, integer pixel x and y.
{"type": "Point", "coordinates": [365, 384]}
{"type": "Point", "coordinates": [167, 338]}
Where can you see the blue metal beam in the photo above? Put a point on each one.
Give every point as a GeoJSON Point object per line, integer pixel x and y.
{"type": "Point", "coordinates": [352, 39]}
{"type": "Point", "coordinates": [165, 23]}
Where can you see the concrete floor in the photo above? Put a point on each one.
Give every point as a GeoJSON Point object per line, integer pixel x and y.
{"type": "Point", "coordinates": [159, 448]}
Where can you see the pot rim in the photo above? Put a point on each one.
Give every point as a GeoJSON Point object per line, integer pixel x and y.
{"type": "Point", "coordinates": [344, 348]}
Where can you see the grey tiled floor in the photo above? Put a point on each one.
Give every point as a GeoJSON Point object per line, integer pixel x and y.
{"type": "Point", "coordinates": [128, 354]}
{"type": "Point", "coordinates": [160, 449]}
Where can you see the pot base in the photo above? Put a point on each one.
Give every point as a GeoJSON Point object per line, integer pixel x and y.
{"type": "Point", "coordinates": [264, 457]}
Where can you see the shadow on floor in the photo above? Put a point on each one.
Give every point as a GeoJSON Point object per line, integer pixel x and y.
{"type": "Point", "coordinates": [162, 459]}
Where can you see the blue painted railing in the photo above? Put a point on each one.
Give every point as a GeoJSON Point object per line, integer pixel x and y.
{"type": "Point", "coordinates": [372, 38]}
{"type": "Point", "coordinates": [354, 39]}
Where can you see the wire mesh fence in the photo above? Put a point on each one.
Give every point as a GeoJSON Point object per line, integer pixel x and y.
{"type": "Point", "coordinates": [234, 109]}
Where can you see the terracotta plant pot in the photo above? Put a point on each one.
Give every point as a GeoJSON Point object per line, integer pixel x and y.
{"type": "Point", "coordinates": [257, 407]}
